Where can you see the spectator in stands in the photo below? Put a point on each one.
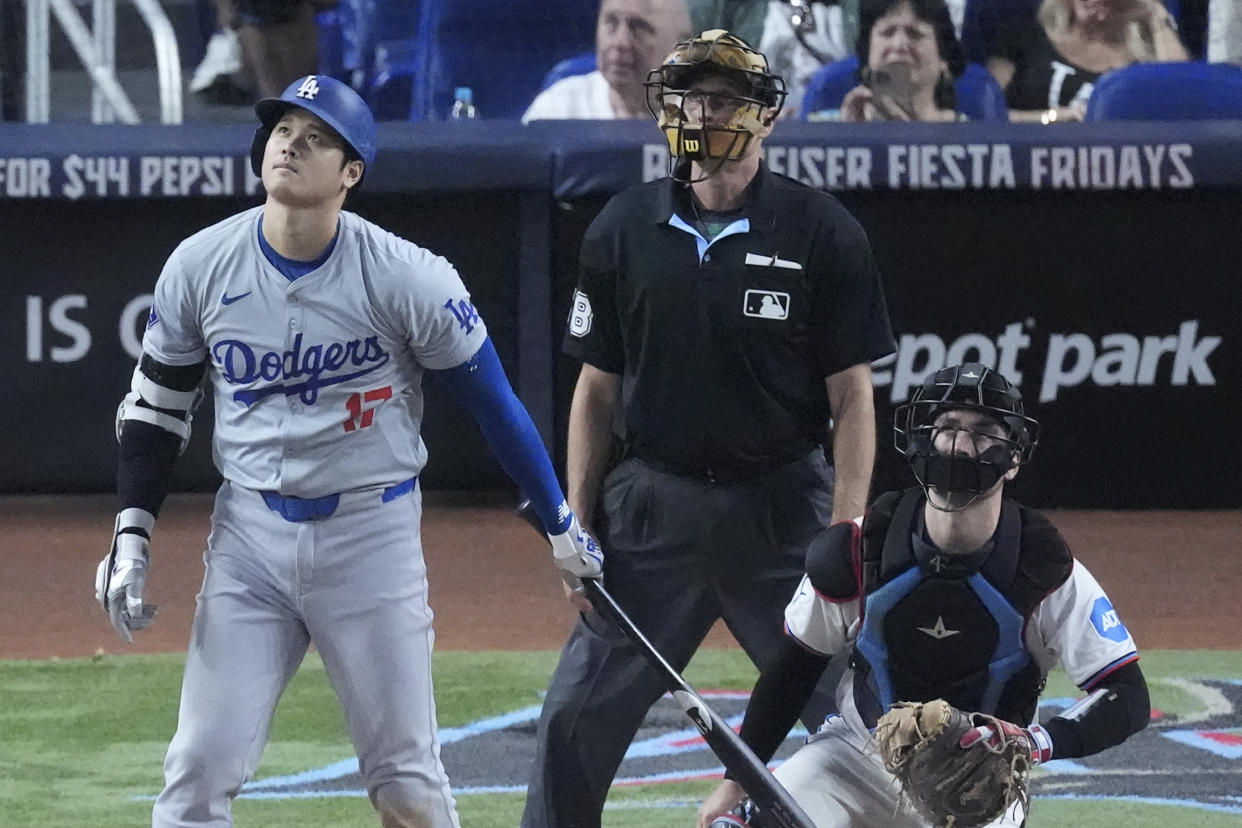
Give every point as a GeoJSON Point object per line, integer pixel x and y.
{"type": "Point", "coordinates": [909, 57]}
{"type": "Point", "coordinates": [799, 36]}
{"type": "Point", "coordinates": [1224, 31]}
{"type": "Point", "coordinates": [744, 18]}
{"type": "Point", "coordinates": [214, 77]}
{"type": "Point", "coordinates": [279, 40]}
{"type": "Point", "coordinates": [631, 38]}
{"type": "Point", "coordinates": [1048, 67]}
{"type": "Point", "coordinates": [258, 48]}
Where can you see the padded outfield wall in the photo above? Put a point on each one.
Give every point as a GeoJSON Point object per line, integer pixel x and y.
{"type": "Point", "coordinates": [1099, 269]}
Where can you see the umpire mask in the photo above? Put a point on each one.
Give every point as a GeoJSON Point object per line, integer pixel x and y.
{"type": "Point", "coordinates": [950, 457]}
{"type": "Point", "coordinates": [679, 110]}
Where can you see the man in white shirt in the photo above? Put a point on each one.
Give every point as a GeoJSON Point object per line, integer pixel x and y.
{"type": "Point", "coordinates": [1224, 31]}
{"type": "Point", "coordinates": [631, 38]}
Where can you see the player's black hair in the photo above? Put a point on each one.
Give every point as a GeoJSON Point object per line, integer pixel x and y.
{"type": "Point", "coordinates": [934, 12]}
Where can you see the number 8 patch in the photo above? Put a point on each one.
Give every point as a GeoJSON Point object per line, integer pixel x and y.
{"type": "Point", "coordinates": [580, 315]}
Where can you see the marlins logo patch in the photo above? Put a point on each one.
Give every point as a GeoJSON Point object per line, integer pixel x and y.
{"type": "Point", "coordinates": [766, 304]}
{"type": "Point", "coordinates": [581, 315]}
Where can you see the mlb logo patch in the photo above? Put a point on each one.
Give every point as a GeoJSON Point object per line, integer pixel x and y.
{"type": "Point", "coordinates": [766, 304]}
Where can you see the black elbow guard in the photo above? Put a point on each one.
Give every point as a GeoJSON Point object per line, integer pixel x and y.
{"type": "Point", "coordinates": [832, 561]}
{"type": "Point", "coordinates": [163, 396]}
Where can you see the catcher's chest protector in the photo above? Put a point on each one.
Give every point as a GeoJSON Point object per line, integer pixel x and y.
{"type": "Point", "coordinates": [936, 626]}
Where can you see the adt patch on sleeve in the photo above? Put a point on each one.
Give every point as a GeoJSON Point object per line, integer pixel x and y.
{"type": "Point", "coordinates": [580, 316]}
{"type": "Point", "coordinates": [1106, 622]}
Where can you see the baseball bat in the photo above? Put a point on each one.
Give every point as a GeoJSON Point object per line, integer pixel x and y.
{"type": "Point", "coordinates": [776, 808]}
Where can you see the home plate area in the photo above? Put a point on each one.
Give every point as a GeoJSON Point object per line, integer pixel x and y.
{"type": "Point", "coordinates": [1191, 757]}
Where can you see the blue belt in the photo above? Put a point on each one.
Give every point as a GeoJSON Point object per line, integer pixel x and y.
{"type": "Point", "coordinates": [302, 509]}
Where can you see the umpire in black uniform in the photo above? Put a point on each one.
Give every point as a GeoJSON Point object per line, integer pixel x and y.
{"type": "Point", "coordinates": [722, 316]}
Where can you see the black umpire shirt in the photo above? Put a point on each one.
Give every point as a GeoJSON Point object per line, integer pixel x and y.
{"type": "Point", "coordinates": [724, 346]}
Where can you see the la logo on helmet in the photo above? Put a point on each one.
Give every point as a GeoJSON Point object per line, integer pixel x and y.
{"type": "Point", "coordinates": [309, 88]}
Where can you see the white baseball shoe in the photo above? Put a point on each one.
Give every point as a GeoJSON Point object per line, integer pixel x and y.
{"type": "Point", "coordinates": [223, 58]}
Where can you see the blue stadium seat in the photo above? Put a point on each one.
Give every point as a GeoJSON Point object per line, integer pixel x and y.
{"type": "Point", "coordinates": [390, 89]}
{"type": "Point", "coordinates": [1168, 92]}
{"type": "Point", "coordinates": [382, 71]}
{"type": "Point", "coordinates": [331, 44]}
{"type": "Point", "coordinates": [829, 86]}
{"type": "Point", "coordinates": [498, 48]}
{"type": "Point", "coordinates": [979, 96]}
{"type": "Point", "coordinates": [576, 65]}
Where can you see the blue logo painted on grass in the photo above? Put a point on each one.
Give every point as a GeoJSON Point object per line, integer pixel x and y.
{"type": "Point", "coordinates": [1104, 619]}
{"type": "Point", "coordinates": [1188, 758]}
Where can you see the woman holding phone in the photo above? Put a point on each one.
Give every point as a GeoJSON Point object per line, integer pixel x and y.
{"type": "Point", "coordinates": [909, 57]}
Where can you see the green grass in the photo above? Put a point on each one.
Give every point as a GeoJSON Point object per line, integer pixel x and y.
{"type": "Point", "coordinates": [80, 739]}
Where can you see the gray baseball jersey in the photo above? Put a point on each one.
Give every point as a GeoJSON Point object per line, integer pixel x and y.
{"type": "Point", "coordinates": [317, 396]}
{"type": "Point", "coordinates": [317, 381]}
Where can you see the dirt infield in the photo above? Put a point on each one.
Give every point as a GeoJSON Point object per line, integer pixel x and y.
{"type": "Point", "coordinates": [1175, 577]}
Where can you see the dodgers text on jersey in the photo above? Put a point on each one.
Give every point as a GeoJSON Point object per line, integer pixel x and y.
{"type": "Point", "coordinates": [241, 365]}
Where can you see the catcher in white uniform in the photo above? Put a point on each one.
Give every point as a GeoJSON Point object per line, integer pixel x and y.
{"type": "Point", "coordinates": [949, 590]}
{"type": "Point", "coordinates": [315, 328]}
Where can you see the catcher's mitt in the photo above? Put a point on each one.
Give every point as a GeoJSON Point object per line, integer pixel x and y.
{"type": "Point", "coordinates": [950, 785]}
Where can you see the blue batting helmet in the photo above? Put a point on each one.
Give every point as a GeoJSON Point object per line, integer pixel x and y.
{"type": "Point", "coordinates": [333, 102]}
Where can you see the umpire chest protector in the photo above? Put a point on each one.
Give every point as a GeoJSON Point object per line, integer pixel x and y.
{"type": "Point", "coordinates": [951, 627]}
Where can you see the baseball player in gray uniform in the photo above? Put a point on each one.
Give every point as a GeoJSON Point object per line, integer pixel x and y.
{"type": "Point", "coordinates": [315, 328]}
{"type": "Point", "coordinates": [947, 590]}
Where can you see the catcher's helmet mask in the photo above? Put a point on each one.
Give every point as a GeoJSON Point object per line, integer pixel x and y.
{"type": "Point", "coordinates": [976, 469]}
{"type": "Point", "coordinates": [331, 101]}
{"type": "Point", "coordinates": [760, 96]}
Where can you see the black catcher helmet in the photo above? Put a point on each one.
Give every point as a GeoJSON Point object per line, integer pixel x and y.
{"type": "Point", "coordinates": [974, 387]}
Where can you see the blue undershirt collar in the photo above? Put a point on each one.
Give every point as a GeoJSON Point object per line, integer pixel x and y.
{"type": "Point", "coordinates": [291, 269]}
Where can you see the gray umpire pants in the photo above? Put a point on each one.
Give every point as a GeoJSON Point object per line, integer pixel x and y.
{"type": "Point", "coordinates": [680, 553]}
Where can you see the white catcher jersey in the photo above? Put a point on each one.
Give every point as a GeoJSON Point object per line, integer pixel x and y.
{"type": "Point", "coordinates": [1075, 625]}
{"type": "Point", "coordinates": [318, 381]}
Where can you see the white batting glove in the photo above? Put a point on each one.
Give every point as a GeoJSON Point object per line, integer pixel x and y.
{"type": "Point", "coordinates": [577, 555]}
{"type": "Point", "coordinates": [121, 577]}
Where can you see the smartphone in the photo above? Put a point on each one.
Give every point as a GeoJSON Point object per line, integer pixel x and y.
{"type": "Point", "coordinates": [894, 82]}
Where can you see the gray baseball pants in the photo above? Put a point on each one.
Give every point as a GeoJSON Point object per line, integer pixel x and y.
{"type": "Point", "coordinates": [355, 584]}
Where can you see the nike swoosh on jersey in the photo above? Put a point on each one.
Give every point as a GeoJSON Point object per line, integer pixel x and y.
{"type": "Point", "coordinates": [225, 299]}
